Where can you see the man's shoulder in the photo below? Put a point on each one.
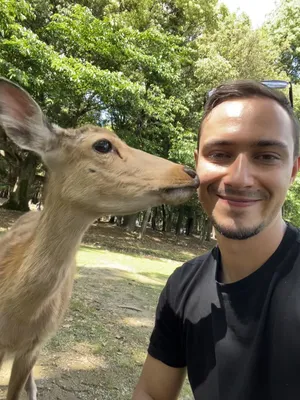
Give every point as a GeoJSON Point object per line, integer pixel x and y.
{"type": "Point", "coordinates": [290, 244]}
{"type": "Point", "coordinates": [192, 272]}
{"type": "Point", "coordinates": [294, 232]}
{"type": "Point", "coordinates": [193, 266]}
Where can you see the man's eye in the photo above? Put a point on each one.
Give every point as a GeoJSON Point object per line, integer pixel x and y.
{"type": "Point", "coordinates": [267, 157]}
{"type": "Point", "coordinates": [219, 156]}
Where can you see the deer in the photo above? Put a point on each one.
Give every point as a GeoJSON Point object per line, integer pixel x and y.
{"type": "Point", "coordinates": [91, 172]}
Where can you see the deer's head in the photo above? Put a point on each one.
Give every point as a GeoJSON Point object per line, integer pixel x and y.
{"type": "Point", "coordinates": [90, 168]}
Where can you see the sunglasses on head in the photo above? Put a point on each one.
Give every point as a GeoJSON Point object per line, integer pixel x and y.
{"type": "Point", "coordinates": [272, 84]}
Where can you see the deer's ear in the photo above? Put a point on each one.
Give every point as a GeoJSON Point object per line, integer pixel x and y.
{"type": "Point", "coordinates": [23, 120]}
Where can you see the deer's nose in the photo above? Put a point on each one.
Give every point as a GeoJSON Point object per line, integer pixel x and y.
{"type": "Point", "coordinates": [192, 174]}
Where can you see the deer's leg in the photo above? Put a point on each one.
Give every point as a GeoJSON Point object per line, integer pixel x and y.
{"type": "Point", "coordinates": [31, 388]}
{"type": "Point", "coordinates": [21, 374]}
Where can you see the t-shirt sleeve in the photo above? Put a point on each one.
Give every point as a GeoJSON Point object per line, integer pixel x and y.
{"type": "Point", "coordinates": [166, 341]}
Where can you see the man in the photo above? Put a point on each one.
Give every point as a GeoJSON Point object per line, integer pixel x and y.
{"type": "Point", "coordinates": [231, 318]}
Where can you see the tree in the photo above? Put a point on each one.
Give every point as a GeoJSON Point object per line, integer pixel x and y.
{"type": "Point", "coordinates": [142, 68]}
{"type": "Point", "coordinates": [285, 31]}
{"type": "Point", "coordinates": [61, 85]}
{"type": "Point", "coordinates": [236, 51]}
{"type": "Point", "coordinates": [291, 209]}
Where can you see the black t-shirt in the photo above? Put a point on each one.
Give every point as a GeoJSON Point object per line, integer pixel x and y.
{"type": "Point", "coordinates": [239, 341]}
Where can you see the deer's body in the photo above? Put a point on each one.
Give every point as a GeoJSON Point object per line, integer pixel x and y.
{"type": "Point", "coordinates": [29, 313]}
{"type": "Point", "coordinates": [91, 173]}
{"type": "Point", "coordinates": [33, 299]}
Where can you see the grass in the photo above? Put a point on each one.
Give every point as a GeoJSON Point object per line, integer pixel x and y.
{"type": "Point", "coordinates": [100, 348]}
{"type": "Point", "coordinates": [137, 264]}
{"type": "Point", "coordinates": [100, 323]}
{"type": "Point", "coordinates": [130, 280]}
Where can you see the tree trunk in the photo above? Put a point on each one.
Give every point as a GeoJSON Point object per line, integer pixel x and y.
{"type": "Point", "coordinates": [12, 201]}
{"type": "Point", "coordinates": [164, 212]}
{"type": "Point", "coordinates": [153, 220]}
{"type": "Point", "coordinates": [189, 226]}
{"type": "Point", "coordinates": [145, 222]}
{"type": "Point", "coordinates": [179, 220]}
{"type": "Point", "coordinates": [208, 230]}
{"type": "Point", "coordinates": [129, 222]}
{"type": "Point", "coordinates": [169, 220]}
{"type": "Point", "coordinates": [119, 221]}
{"type": "Point", "coordinates": [19, 197]}
{"type": "Point", "coordinates": [205, 229]}
{"type": "Point", "coordinates": [12, 180]}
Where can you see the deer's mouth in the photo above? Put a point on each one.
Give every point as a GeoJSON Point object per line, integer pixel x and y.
{"type": "Point", "coordinates": [178, 195]}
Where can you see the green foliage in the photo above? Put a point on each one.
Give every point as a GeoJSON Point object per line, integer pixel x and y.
{"type": "Point", "coordinates": [291, 209]}
{"type": "Point", "coordinates": [285, 31]}
{"type": "Point", "coordinates": [140, 67]}
{"type": "Point", "coordinates": [235, 51]}
{"type": "Point", "coordinates": [296, 96]}
{"type": "Point", "coordinates": [67, 87]}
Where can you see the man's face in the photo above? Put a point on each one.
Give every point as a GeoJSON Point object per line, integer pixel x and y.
{"type": "Point", "coordinates": [245, 164]}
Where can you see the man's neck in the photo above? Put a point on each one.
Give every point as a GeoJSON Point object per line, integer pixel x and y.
{"type": "Point", "coordinates": [240, 258]}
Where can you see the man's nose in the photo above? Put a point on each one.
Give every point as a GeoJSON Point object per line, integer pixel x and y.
{"type": "Point", "coordinates": [239, 173]}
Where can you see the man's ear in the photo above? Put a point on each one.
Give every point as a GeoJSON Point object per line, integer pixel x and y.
{"type": "Point", "coordinates": [23, 120]}
{"type": "Point", "coordinates": [196, 154]}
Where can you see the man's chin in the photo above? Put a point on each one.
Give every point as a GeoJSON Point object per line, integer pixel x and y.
{"type": "Point", "coordinates": [237, 233]}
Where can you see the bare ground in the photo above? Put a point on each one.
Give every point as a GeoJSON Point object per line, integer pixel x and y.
{"type": "Point", "coordinates": [99, 351]}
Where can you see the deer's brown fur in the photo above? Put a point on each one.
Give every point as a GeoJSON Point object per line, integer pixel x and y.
{"type": "Point", "coordinates": [37, 255]}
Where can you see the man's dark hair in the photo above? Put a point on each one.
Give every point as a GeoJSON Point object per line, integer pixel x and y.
{"type": "Point", "coordinates": [244, 89]}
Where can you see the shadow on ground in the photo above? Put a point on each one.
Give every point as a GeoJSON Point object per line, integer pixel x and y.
{"type": "Point", "coordinates": [154, 244]}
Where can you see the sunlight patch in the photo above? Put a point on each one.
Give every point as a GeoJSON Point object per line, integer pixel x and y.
{"type": "Point", "coordinates": [80, 357]}
{"type": "Point", "coordinates": [39, 372]}
{"type": "Point", "coordinates": [139, 357]}
{"type": "Point", "coordinates": [138, 322]}
{"type": "Point", "coordinates": [146, 280]}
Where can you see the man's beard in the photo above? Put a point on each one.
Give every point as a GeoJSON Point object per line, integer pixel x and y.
{"type": "Point", "coordinates": [237, 233]}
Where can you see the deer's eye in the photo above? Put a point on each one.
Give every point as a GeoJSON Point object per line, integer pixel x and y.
{"type": "Point", "coordinates": [103, 146]}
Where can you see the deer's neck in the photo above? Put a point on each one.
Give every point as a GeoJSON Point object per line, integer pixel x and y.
{"type": "Point", "coordinates": [59, 233]}
{"type": "Point", "coordinates": [50, 258]}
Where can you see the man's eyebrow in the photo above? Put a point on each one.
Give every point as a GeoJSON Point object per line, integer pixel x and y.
{"type": "Point", "coordinates": [269, 143]}
{"type": "Point", "coordinates": [259, 143]}
{"type": "Point", "coordinates": [218, 142]}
